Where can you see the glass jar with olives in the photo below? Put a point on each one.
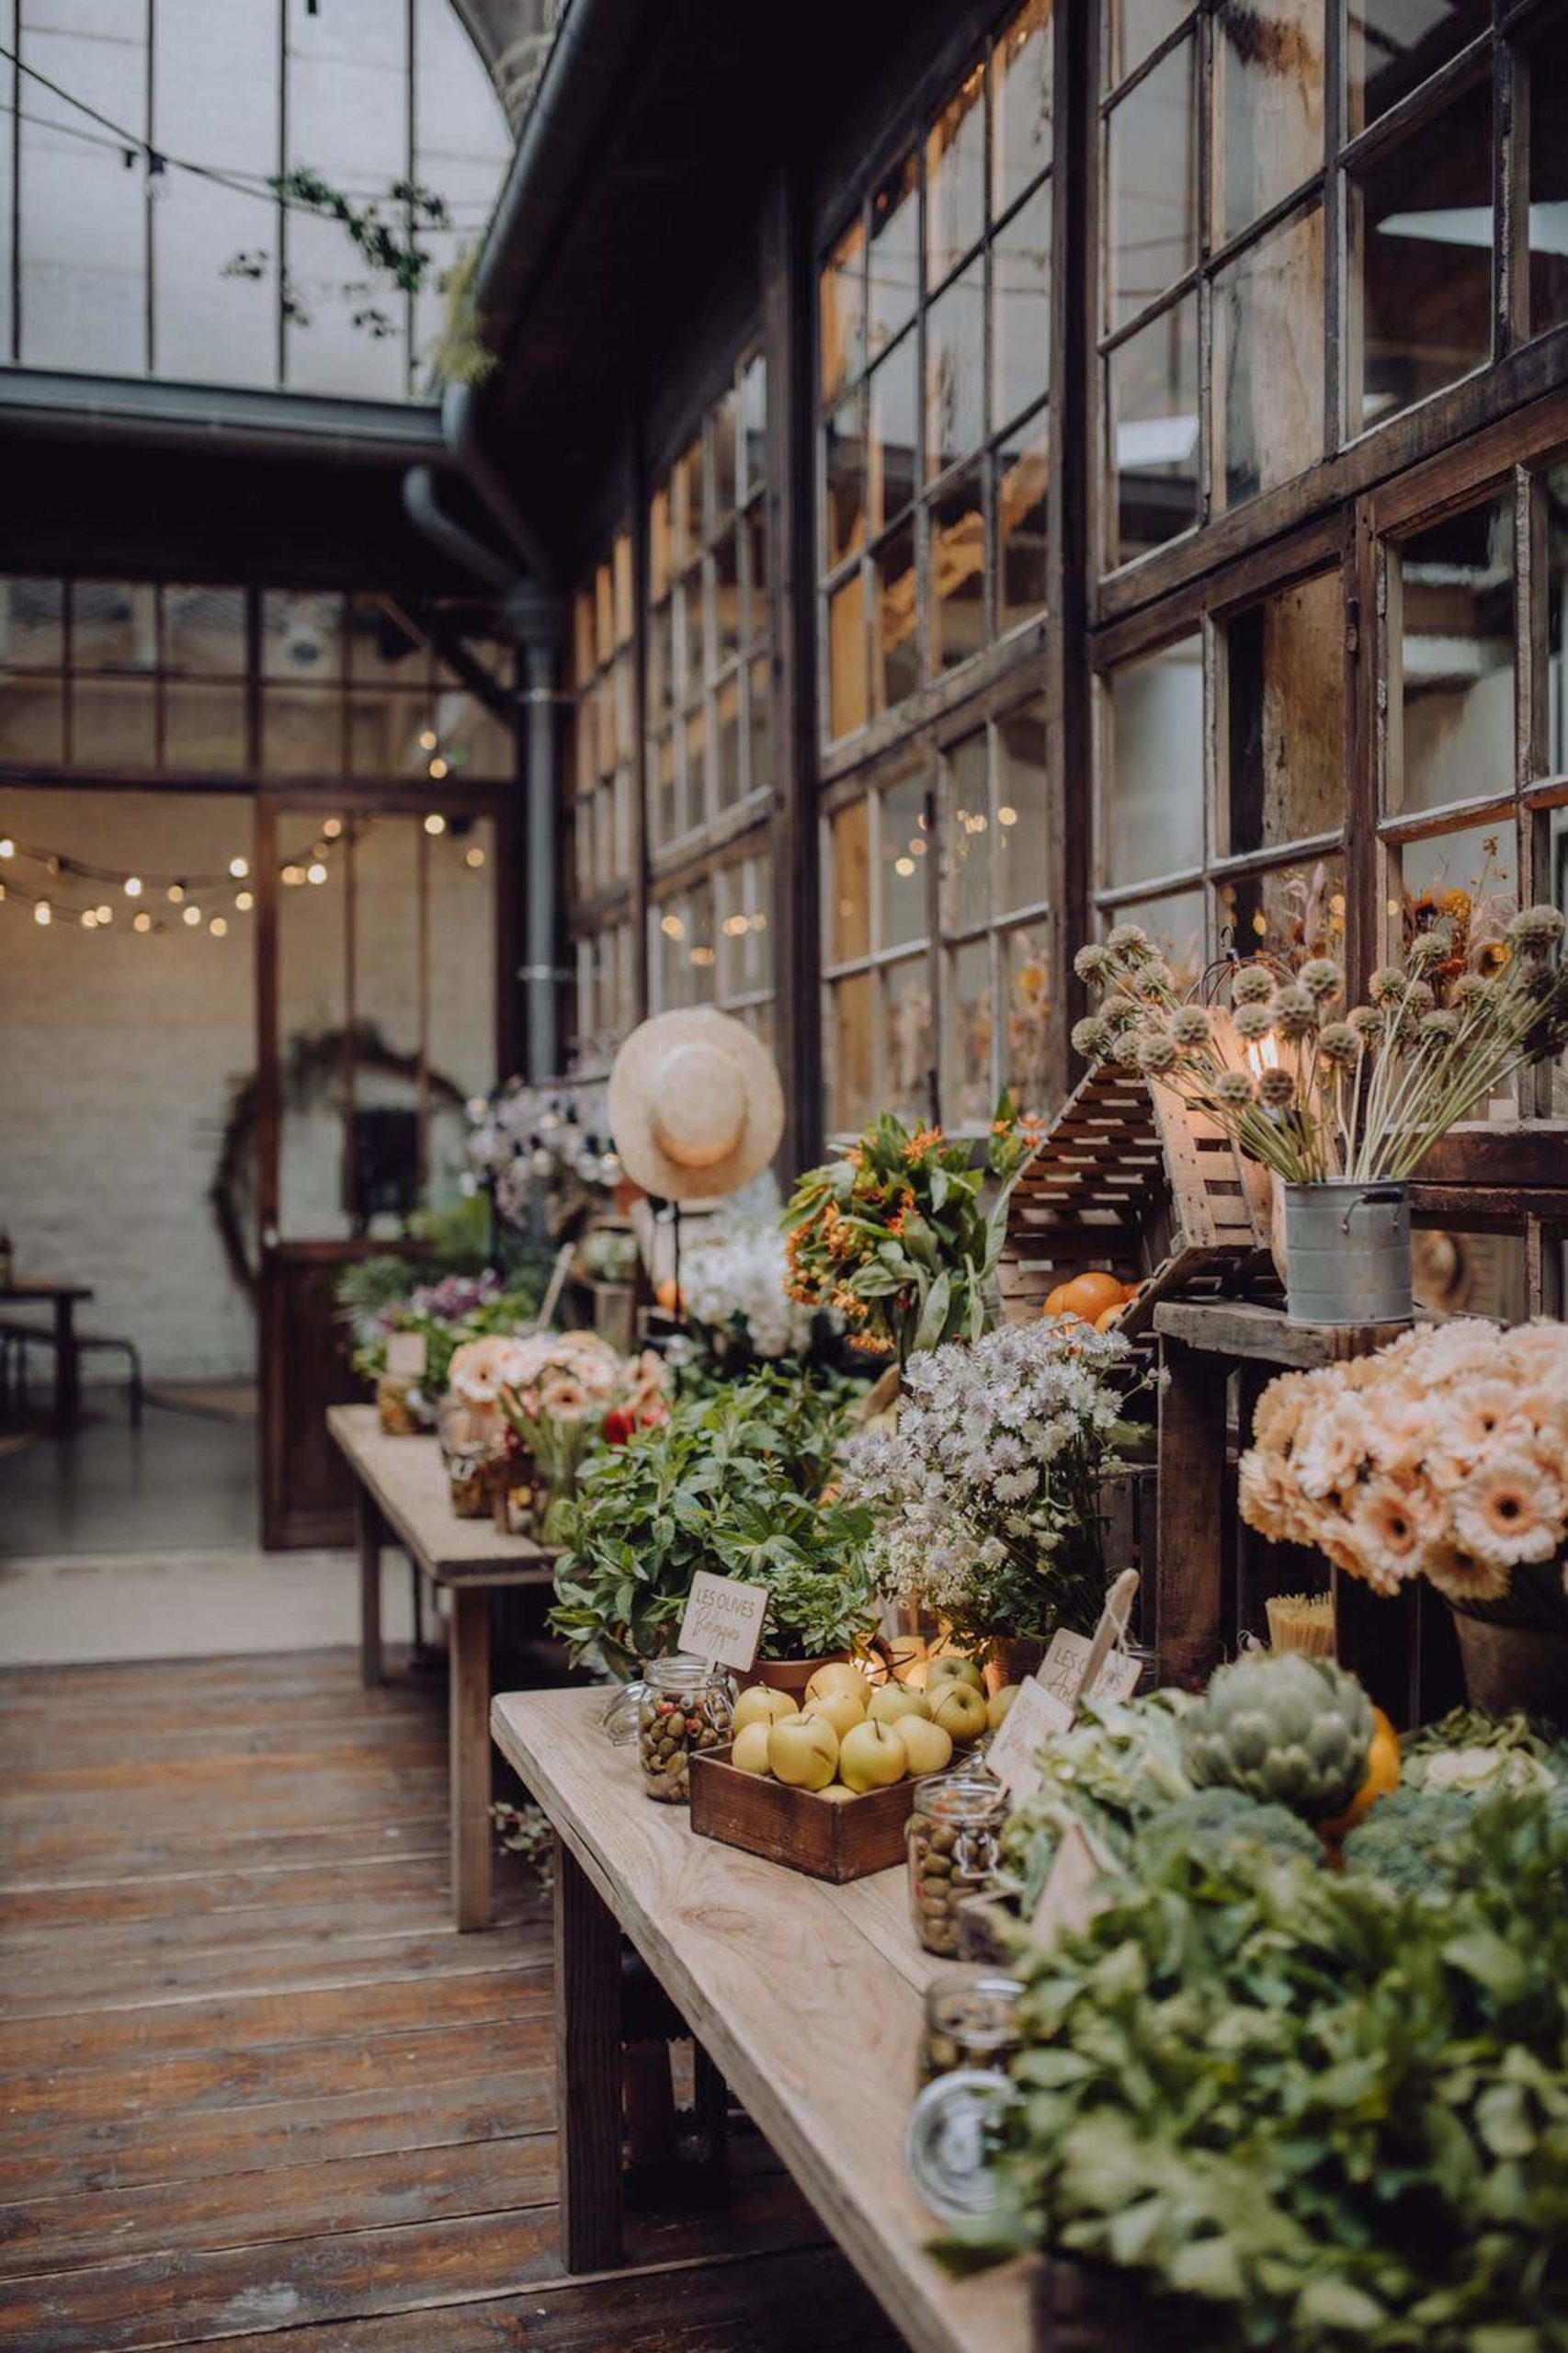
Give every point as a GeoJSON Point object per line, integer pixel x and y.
{"type": "Point", "coordinates": [955, 1844]}
{"type": "Point", "coordinates": [972, 2021]}
{"type": "Point", "coordinates": [685, 1705]}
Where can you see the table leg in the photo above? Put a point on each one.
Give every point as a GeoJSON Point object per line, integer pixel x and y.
{"type": "Point", "coordinates": [67, 1370]}
{"type": "Point", "coordinates": [370, 1533]}
{"type": "Point", "coordinates": [468, 1657]}
{"type": "Point", "coordinates": [1188, 1584]}
{"type": "Point", "coordinates": [587, 2068]}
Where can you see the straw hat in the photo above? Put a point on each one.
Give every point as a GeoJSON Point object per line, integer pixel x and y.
{"type": "Point", "coordinates": [695, 1104]}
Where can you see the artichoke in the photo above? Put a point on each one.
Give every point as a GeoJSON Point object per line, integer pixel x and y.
{"type": "Point", "coordinates": [1285, 1729]}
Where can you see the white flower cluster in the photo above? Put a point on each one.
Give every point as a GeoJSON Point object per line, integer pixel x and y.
{"type": "Point", "coordinates": [737, 1269]}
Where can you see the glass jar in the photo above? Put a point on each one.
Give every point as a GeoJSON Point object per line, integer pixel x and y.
{"type": "Point", "coordinates": [399, 1405]}
{"type": "Point", "coordinates": [955, 1846]}
{"type": "Point", "coordinates": [685, 1705]}
{"type": "Point", "coordinates": [972, 2021]}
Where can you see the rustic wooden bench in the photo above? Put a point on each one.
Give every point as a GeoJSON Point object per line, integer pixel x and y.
{"type": "Point", "coordinates": [401, 1496]}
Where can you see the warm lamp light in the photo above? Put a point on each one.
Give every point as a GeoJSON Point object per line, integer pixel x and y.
{"type": "Point", "coordinates": [133, 886]}
{"type": "Point", "coordinates": [143, 922]}
{"type": "Point", "coordinates": [435, 822]}
{"type": "Point", "coordinates": [191, 915]}
{"type": "Point", "coordinates": [245, 901]}
{"type": "Point", "coordinates": [239, 868]}
{"type": "Point", "coordinates": [42, 912]}
{"type": "Point", "coordinates": [315, 871]}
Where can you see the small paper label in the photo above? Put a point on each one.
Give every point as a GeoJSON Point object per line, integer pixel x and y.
{"type": "Point", "coordinates": [723, 1620]}
{"type": "Point", "coordinates": [1068, 1898]}
{"type": "Point", "coordinates": [1035, 1714]}
{"type": "Point", "coordinates": [405, 1353]}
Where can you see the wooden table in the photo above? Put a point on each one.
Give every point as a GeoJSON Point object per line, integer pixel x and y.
{"type": "Point", "coordinates": [63, 1297]}
{"type": "Point", "coordinates": [806, 1996]}
{"type": "Point", "coordinates": [401, 1496]}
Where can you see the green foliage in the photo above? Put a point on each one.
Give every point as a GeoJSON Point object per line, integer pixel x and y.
{"type": "Point", "coordinates": [1287, 1729]}
{"type": "Point", "coordinates": [732, 1482]}
{"type": "Point", "coordinates": [1117, 1766]}
{"type": "Point", "coordinates": [1405, 1837]}
{"type": "Point", "coordinates": [1334, 2113]}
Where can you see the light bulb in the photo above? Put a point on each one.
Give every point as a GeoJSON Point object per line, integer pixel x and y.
{"type": "Point", "coordinates": [8, 847]}
{"type": "Point", "coordinates": [428, 741]}
{"type": "Point", "coordinates": [42, 912]}
{"type": "Point", "coordinates": [435, 822]}
{"type": "Point", "coordinates": [315, 871]}
{"type": "Point", "coordinates": [239, 868]}
{"type": "Point", "coordinates": [177, 892]}
{"type": "Point", "coordinates": [437, 769]}
{"type": "Point", "coordinates": [191, 915]}
{"type": "Point", "coordinates": [245, 901]}
{"type": "Point", "coordinates": [219, 928]}
{"type": "Point", "coordinates": [333, 828]}
{"type": "Point", "coordinates": [292, 875]}
{"type": "Point", "coordinates": [903, 866]}
{"type": "Point", "coordinates": [143, 922]}
{"type": "Point", "coordinates": [90, 919]}
{"type": "Point", "coordinates": [1006, 816]}
{"type": "Point", "coordinates": [474, 858]}
{"type": "Point", "coordinates": [133, 886]}
{"type": "Point", "coordinates": [104, 915]}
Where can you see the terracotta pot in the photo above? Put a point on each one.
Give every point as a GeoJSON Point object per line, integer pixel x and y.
{"type": "Point", "coordinates": [1514, 1667]}
{"type": "Point", "coordinates": [788, 1674]}
{"type": "Point", "coordinates": [1012, 1658]}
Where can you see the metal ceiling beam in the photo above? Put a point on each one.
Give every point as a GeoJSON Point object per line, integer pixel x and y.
{"type": "Point", "coordinates": [226, 420]}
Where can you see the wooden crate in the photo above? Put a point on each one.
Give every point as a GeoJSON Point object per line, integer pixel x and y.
{"type": "Point", "coordinates": [1130, 1179]}
{"type": "Point", "coordinates": [832, 1839]}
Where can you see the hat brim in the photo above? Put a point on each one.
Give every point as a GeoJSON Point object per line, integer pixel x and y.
{"type": "Point", "coordinates": [633, 1096]}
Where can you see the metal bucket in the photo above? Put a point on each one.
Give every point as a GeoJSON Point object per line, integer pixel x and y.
{"type": "Point", "coordinates": [1348, 1253]}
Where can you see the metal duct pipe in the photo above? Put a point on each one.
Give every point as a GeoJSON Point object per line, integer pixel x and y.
{"type": "Point", "coordinates": [461, 428]}
{"type": "Point", "coordinates": [530, 612]}
{"type": "Point", "coordinates": [423, 506]}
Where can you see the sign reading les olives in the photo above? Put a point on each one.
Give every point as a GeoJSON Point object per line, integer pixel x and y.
{"type": "Point", "coordinates": [723, 1620]}
{"type": "Point", "coordinates": [1034, 1715]}
{"type": "Point", "coordinates": [1061, 1670]}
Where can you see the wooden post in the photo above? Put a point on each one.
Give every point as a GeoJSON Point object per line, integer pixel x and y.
{"type": "Point", "coordinates": [1187, 1587]}
{"type": "Point", "coordinates": [587, 2065]}
{"type": "Point", "coordinates": [67, 1367]}
{"type": "Point", "coordinates": [370, 1531]}
{"type": "Point", "coordinates": [467, 1734]}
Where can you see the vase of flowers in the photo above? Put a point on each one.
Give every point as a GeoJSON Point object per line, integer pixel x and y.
{"type": "Point", "coordinates": [985, 1498]}
{"type": "Point", "coordinates": [1443, 1456]}
{"type": "Point", "coordinates": [1343, 1107]}
{"type": "Point", "coordinates": [566, 1393]}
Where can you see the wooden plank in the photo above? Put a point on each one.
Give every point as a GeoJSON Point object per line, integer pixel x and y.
{"type": "Point", "coordinates": [1187, 1587]}
{"type": "Point", "coordinates": [405, 1479]}
{"type": "Point", "coordinates": [1233, 1329]}
{"type": "Point", "coordinates": [369, 1531]}
{"type": "Point", "coordinates": [587, 2069]}
{"type": "Point", "coordinates": [468, 1717]}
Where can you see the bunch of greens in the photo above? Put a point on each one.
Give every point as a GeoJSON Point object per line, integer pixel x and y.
{"type": "Point", "coordinates": [1333, 2111]}
{"type": "Point", "coordinates": [735, 1482]}
{"type": "Point", "coordinates": [1118, 1765]}
{"type": "Point", "coordinates": [1471, 1754]}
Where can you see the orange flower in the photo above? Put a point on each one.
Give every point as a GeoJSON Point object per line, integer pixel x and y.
{"type": "Point", "coordinates": [924, 1140]}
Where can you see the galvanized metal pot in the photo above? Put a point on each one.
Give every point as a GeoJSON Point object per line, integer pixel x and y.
{"type": "Point", "coordinates": [1348, 1253]}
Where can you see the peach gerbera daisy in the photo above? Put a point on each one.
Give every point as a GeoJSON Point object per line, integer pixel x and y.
{"type": "Point", "coordinates": [1508, 1510]}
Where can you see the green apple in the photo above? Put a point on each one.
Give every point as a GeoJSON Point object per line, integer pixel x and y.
{"type": "Point", "coordinates": [836, 1794]}
{"type": "Point", "coordinates": [952, 1668]}
{"type": "Point", "coordinates": [960, 1711]}
{"type": "Point", "coordinates": [803, 1751]}
{"type": "Point", "coordinates": [870, 1756]}
{"type": "Point", "coordinates": [842, 1710]}
{"type": "Point", "coordinates": [837, 1675]}
{"type": "Point", "coordinates": [927, 1746]}
{"type": "Point", "coordinates": [759, 1704]}
{"type": "Point", "coordinates": [891, 1702]}
{"type": "Point", "coordinates": [750, 1749]}
{"type": "Point", "coordinates": [996, 1707]}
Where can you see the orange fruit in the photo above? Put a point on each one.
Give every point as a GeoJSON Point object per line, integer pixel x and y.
{"type": "Point", "coordinates": [1089, 1295]}
{"type": "Point", "coordinates": [666, 1294]}
{"type": "Point", "coordinates": [1381, 1775]}
{"type": "Point", "coordinates": [1112, 1316]}
{"type": "Point", "coordinates": [1056, 1301]}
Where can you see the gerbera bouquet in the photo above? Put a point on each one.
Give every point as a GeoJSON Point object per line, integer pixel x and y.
{"type": "Point", "coordinates": [1445, 1456]}
{"type": "Point", "coordinates": [897, 1236]}
{"type": "Point", "coordinates": [564, 1393]}
{"type": "Point", "coordinates": [986, 1496]}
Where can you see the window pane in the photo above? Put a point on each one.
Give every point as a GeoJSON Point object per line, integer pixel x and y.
{"type": "Point", "coordinates": [754, 429]}
{"type": "Point", "coordinates": [695, 808]}
{"type": "Point", "coordinates": [1292, 911]}
{"type": "Point", "coordinates": [383, 730]}
{"type": "Point", "coordinates": [1393, 45]}
{"type": "Point", "coordinates": [660, 661]}
{"type": "Point", "coordinates": [204, 632]}
{"type": "Point", "coordinates": [1020, 311]}
{"type": "Point", "coordinates": [1151, 419]}
{"type": "Point", "coordinates": [1424, 212]}
{"type": "Point", "coordinates": [1456, 660]}
{"type": "Point", "coordinates": [1554, 655]}
{"type": "Point", "coordinates": [725, 563]}
{"type": "Point", "coordinates": [302, 734]}
{"type": "Point", "coordinates": [908, 1046]}
{"type": "Point", "coordinates": [844, 464]}
{"type": "Point", "coordinates": [32, 624]}
{"type": "Point", "coordinates": [841, 304]}
{"type": "Point", "coordinates": [755, 531]}
{"type": "Point", "coordinates": [967, 838]}
{"type": "Point", "coordinates": [1177, 924]}
{"type": "Point", "coordinates": [1023, 810]}
{"type": "Point", "coordinates": [1151, 185]}
{"type": "Point", "coordinates": [851, 1077]}
{"type": "Point", "coordinates": [896, 622]}
{"type": "Point", "coordinates": [302, 636]}
{"type": "Point", "coordinates": [1269, 328]}
{"type": "Point", "coordinates": [895, 253]}
{"type": "Point", "coordinates": [1268, 104]}
{"type": "Point", "coordinates": [955, 371]}
{"type": "Point", "coordinates": [1153, 789]}
{"type": "Point", "coordinates": [32, 719]}
{"type": "Point", "coordinates": [846, 658]}
{"type": "Point", "coordinates": [1285, 720]}
{"type": "Point", "coordinates": [955, 177]}
{"type": "Point", "coordinates": [1025, 1041]}
{"type": "Point", "coordinates": [204, 727]}
{"type": "Point", "coordinates": [721, 457]}
{"type": "Point", "coordinates": [113, 723]}
{"type": "Point", "coordinates": [967, 1095]}
{"type": "Point", "coordinates": [1133, 27]}
{"type": "Point", "coordinates": [1020, 135]}
{"type": "Point", "coordinates": [727, 741]}
{"type": "Point", "coordinates": [958, 572]}
{"type": "Point", "coordinates": [894, 428]}
{"type": "Point", "coordinates": [759, 775]}
{"type": "Point", "coordinates": [1480, 861]}
{"type": "Point", "coordinates": [905, 816]}
{"type": "Point", "coordinates": [849, 927]}
{"type": "Point", "coordinates": [1549, 179]}
{"type": "Point", "coordinates": [662, 785]}
{"type": "Point", "coordinates": [114, 625]}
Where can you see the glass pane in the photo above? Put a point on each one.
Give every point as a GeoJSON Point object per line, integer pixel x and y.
{"type": "Point", "coordinates": [844, 474]}
{"type": "Point", "coordinates": [312, 1008]}
{"type": "Point", "coordinates": [727, 741]}
{"type": "Point", "coordinates": [955, 177]}
{"type": "Point", "coordinates": [661, 787]}
{"type": "Point", "coordinates": [1134, 28]}
{"type": "Point", "coordinates": [967, 838]}
{"type": "Point", "coordinates": [850, 927]}
{"type": "Point", "coordinates": [753, 427]}
{"type": "Point", "coordinates": [621, 564]}
{"type": "Point", "coordinates": [1152, 419]}
{"type": "Point", "coordinates": [908, 1045]}
{"type": "Point", "coordinates": [204, 632]}
{"type": "Point", "coordinates": [1023, 487]}
{"type": "Point", "coordinates": [700, 953]}
{"type": "Point", "coordinates": [385, 731]}
{"type": "Point", "coordinates": [759, 775]}
{"type": "Point", "coordinates": [1456, 733]}
{"type": "Point", "coordinates": [851, 1075]}
{"type": "Point", "coordinates": [204, 727]}
{"type": "Point", "coordinates": [895, 426]}
{"type": "Point", "coordinates": [380, 650]}
{"type": "Point", "coordinates": [895, 253]}
{"type": "Point", "coordinates": [1151, 185]}
{"type": "Point", "coordinates": [1293, 912]}
{"type": "Point", "coordinates": [603, 616]}
{"type": "Point", "coordinates": [114, 625]}
{"type": "Point", "coordinates": [32, 719]}
{"type": "Point", "coordinates": [846, 658]}
{"type": "Point", "coordinates": [1424, 214]}
{"type": "Point", "coordinates": [967, 1092]}
{"type": "Point", "coordinates": [955, 371]}
{"type": "Point", "coordinates": [1285, 721]}
{"type": "Point", "coordinates": [461, 875]}
{"type": "Point", "coordinates": [754, 531]}
{"type": "Point", "coordinates": [660, 661]}
{"type": "Point", "coordinates": [1020, 309]}
{"type": "Point", "coordinates": [32, 624]}
{"type": "Point", "coordinates": [114, 723]}
{"type": "Point", "coordinates": [895, 620]}
{"type": "Point", "coordinates": [1152, 809]}
{"type": "Point", "coordinates": [725, 562]}
{"type": "Point", "coordinates": [1481, 861]}
{"type": "Point", "coordinates": [1393, 45]}
{"type": "Point", "coordinates": [721, 459]}
{"type": "Point", "coordinates": [1026, 1042]}
{"type": "Point", "coordinates": [1268, 331]}
{"type": "Point", "coordinates": [302, 732]}
{"type": "Point", "coordinates": [1549, 179]}
{"type": "Point", "coordinates": [1552, 654]}
{"type": "Point", "coordinates": [685, 616]}
{"type": "Point", "coordinates": [1268, 86]}
{"type": "Point", "coordinates": [1023, 810]}
{"type": "Point", "coordinates": [685, 505]}
{"type": "Point", "coordinates": [1176, 922]}
{"type": "Point", "coordinates": [958, 572]}
{"type": "Point", "coordinates": [302, 636]}
{"type": "Point", "coordinates": [841, 311]}
{"type": "Point", "coordinates": [1020, 77]}
{"type": "Point", "coordinates": [1458, 1273]}
{"type": "Point", "coordinates": [661, 553]}
{"type": "Point", "coordinates": [695, 809]}
{"type": "Point", "coordinates": [905, 830]}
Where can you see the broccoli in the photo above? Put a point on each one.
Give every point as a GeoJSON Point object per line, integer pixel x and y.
{"type": "Point", "coordinates": [1402, 1839]}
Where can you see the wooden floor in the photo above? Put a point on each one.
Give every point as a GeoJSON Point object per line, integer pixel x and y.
{"type": "Point", "coordinates": [251, 2083]}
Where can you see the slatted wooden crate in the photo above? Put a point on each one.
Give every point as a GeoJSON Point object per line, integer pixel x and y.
{"type": "Point", "coordinates": [1130, 1179]}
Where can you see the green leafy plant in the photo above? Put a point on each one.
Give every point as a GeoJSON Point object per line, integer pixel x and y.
{"type": "Point", "coordinates": [735, 1482]}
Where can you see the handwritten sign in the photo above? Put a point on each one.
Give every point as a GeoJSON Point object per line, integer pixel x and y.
{"type": "Point", "coordinates": [1077, 1665]}
{"type": "Point", "coordinates": [1034, 1715]}
{"type": "Point", "coordinates": [723, 1620]}
{"type": "Point", "coordinates": [1070, 1898]}
{"type": "Point", "coordinates": [406, 1355]}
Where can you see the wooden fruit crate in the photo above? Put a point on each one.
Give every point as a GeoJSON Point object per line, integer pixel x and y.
{"type": "Point", "coordinates": [832, 1839]}
{"type": "Point", "coordinates": [1132, 1180]}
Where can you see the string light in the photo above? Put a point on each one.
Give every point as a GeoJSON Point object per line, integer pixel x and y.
{"type": "Point", "coordinates": [104, 913]}
{"type": "Point", "coordinates": [435, 822]}
{"type": "Point", "coordinates": [143, 922]}
{"type": "Point", "coordinates": [90, 919]}
{"type": "Point", "coordinates": [8, 847]}
{"type": "Point", "coordinates": [428, 741]}
{"type": "Point", "coordinates": [1006, 816]}
{"type": "Point", "coordinates": [292, 875]}
{"type": "Point", "coordinates": [474, 858]}
{"type": "Point", "coordinates": [904, 866]}
{"type": "Point", "coordinates": [219, 928]}
{"type": "Point", "coordinates": [42, 912]}
{"type": "Point", "coordinates": [239, 868]}
{"type": "Point", "coordinates": [315, 871]}
{"type": "Point", "coordinates": [245, 901]}
{"type": "Point", "coordinates": [177, 892]}
{"type": "Point", "coordinates": [132, 886]}
{"type": "Point", "coordinates": [191, 915]}
{"type": "Point", "coordinates": [333, 828]}
{"type": "Point", "coordinates": [438, 769]}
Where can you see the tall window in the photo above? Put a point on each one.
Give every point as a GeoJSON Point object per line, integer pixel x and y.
{"type": "Point", "coordinates": [934, 370]}
{"type": "Point", "coordinates": [600, 772]}
{"type": "Point", "coordinates": [710, 940]}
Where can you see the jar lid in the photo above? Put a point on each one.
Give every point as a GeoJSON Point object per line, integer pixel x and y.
{"type": "Point", "coordinates": [950, 2138]}
{"type": "Point", "coordinates": [968, 1793]}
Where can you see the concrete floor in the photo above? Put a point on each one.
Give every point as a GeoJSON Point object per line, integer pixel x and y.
{"type": "Point", "coordinates": [183, 1481]}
